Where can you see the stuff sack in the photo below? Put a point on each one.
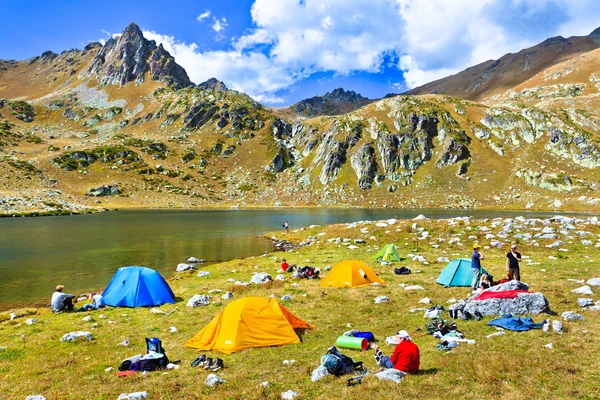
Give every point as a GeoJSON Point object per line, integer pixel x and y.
{"type": "Point", "coordinates": [338, 364]}
{"type": "Point", "coordinates": [365, 335]}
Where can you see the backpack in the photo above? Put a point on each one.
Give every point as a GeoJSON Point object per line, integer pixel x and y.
{"type": "Point", "coordinates": [402, 271]}
{"type": "Point", "coordinates": [438, 324]}
{"type": "Point", "coordinates": [338, 364]}
{"type": "Point", "coordinates": [155, 358]}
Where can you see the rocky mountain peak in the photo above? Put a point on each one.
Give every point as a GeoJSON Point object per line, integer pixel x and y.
{"type": "Point", "coordinates": [130, 56]}
{"type": "Point", "coordinates": [338, 101]}
{"type": "Point", "coordinates": [595, 33]}
{"type": "Point", "coordinates": [214, 84]}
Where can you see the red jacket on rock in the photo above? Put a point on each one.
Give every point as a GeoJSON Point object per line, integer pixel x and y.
{"type": "Point", "coordinates": [406, 357]}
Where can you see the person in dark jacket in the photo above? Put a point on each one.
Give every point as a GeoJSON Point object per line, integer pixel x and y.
{"type": "Point", "coordinates": [512, 263]}
{"type": "Point", "coordinates": [406, 356]}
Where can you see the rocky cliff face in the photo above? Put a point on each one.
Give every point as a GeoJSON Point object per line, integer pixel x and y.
{"type": "Point", "coordinates": [336, 102]}
{"type": "Point", "coordinates": [130, 57]}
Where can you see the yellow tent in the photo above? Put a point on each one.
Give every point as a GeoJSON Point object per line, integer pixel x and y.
{"type": "Point", "coordinates": [350, 273]}
{"type": "Point", "coordinates": [249, 322]}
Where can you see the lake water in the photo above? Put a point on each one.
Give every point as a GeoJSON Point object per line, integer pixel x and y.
{"type": "Point", "coordinates": [83, 252]}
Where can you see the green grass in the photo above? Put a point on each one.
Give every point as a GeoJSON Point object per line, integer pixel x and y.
{"type": "Point", "coordinates": [513, 366]}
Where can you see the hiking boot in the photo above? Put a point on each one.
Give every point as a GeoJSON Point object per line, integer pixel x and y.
{"type": "Point", "coordinates": [217, 365]}
{"type": "Point", "coordinates": [199, 360]}
{"type": "Point", "coordinates": [208, 363]}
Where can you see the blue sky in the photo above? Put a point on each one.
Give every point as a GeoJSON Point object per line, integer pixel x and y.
{"type": "Point", "coordinates": [281, 51]}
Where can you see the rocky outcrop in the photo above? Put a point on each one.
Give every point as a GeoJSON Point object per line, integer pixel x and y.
{"type": "Point", "coordinates": [199, 115]}
{"type": "Point", "coordinates": [104, 190]}
{"type": "Point", "coordinates": [340, 137]}
{"type": "Point", "coordinates": [336, 102]}
{"type": "Point", "coordinates": [558, 182]}
{"type": "Point", "coordinates": [364, 165]}
{"type": "Point", "coordinates": [454, 149]}
{"type": "Point", "coordinates": [213, 84]}
{"type": "Point", "coordinates": [130, 56]}
{"type": "Point", "coordinates": [578, 147]}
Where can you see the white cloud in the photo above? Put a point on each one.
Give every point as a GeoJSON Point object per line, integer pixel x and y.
{"type": "Point", "coordinates": [204, 15]}
{"type": "Point", "coordinates": [428, 39]}
{"type": "Point", "coordinates": [251, 72]}
{"type": "Point", "coordinates": [219, 24]}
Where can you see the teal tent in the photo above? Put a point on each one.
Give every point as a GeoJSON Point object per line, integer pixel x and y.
{"type": "Point", "coordinates": [457, 273]}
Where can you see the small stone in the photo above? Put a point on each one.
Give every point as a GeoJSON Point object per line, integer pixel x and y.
{"type": "Point", "coordinates": [289, 395]}
{"type": "Point", "coordinates": [212, 380]}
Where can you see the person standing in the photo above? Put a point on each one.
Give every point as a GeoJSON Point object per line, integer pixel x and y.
{"type": "Point", "coordinates": [61, 301]}
{"type": "Point", "coordinates": [286, 226]}
{"type": "Point", "coordinates": [476, 258]}
{"type": "Point", "coordinates": [512, 263]}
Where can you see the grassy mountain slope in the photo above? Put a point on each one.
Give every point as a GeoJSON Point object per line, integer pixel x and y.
{"type": "Point", "coordinates": [67, 127]}
{"type": "Point", "coordinates": [496, 76]}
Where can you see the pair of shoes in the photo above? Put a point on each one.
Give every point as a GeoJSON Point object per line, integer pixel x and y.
{"type": "Point", "coordinates": [199, 360]}
{"type": "Point", "coordinates": [213, 365]}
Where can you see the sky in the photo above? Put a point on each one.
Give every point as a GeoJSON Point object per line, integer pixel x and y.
{"type": "Point", "coordinates": [282, 51]}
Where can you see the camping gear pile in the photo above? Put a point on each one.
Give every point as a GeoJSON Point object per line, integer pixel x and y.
{"type": "Point", "coordinates": [154, 359]}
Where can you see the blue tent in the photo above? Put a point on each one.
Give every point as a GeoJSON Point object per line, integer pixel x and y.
{"type": "Point", "coordinates": [457, 273]}
{"type": "Point", "coordinates": [137, 287]}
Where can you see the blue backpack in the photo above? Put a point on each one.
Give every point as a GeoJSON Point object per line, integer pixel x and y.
{"type": "Point", "coordinates": [338, 364]}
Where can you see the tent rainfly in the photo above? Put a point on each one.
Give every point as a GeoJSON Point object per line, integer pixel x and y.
{"type": "Point", "coordinates": [457, 273]}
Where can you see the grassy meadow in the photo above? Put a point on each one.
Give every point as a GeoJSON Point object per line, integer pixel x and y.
{"type": "Point", "coordinates": [512, 366]}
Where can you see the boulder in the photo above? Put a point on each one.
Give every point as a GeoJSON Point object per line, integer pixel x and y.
{"type": "Point", "coordinates": [104, 190]}
{"type": "Point", "coordinates": [584, 302]}
{"type": "Point", "coordinates": [212, 380]}
{"type": "Point", "coordinates": [203, 273]}
{"type": "Point", "coordinates": [534, 303]}
{"type": "Point", "coordinates": [571, 316]}
{"type": "Point", "coordinates": [583, 290]}
{"type": "Point", "coordinates": [261, 277]}
{"type": "Point", "coordinates": [391, 374]}
{"type": "Point", "coordinates": [227, 296]}
{"type": "Point", "coordinates": [381, 299]}
{"type": "Point", "coordinates": [193, 260]}
{"type": "Point", "coordinates": [510, 285]}
{"type": "Point", "coordinates": [593, 282]}
{"type": "Point", "coordinates": [78, 335]}
{"type": "Point", "coordinates": [184, 267]}
{"type": "Point", "coordinates": [198, 300]}
{"type": "Point", "coordinates": [133, 396]}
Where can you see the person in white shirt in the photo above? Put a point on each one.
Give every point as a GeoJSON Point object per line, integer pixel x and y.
{"type": "Point", "coordinates": [61, 301]}
{"type": "Point", "coordinates": [97, 302]}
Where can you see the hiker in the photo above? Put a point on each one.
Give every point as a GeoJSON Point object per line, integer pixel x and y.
{"type": "Point", "coordinates": [286, 267]}
{"type": "Point", "coordinates": [286, 226]}
{"type": "Point", "coordinates": [406, 357]}
{"type": "Point", "coordinates": [97, 302]}
{"type": "Point", "coordinates": [512, 263]}
{"type": "Point", "coordinates": [308, 272]}
{"type": "Point", "coordinates": [476, 258]}
{"type": "Point", "coordinates": [487, 281]}
{"type": "Point", "coordinates": [61, 301]}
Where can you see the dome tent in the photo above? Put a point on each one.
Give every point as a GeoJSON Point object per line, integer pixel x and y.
{"type": "Point", "coordinates": [388, 253]}
{"type": "Point", "coordinates": [457, 273]}
{"type": "Point", "coordinates": [350, 273]}
{"type": "Point", "coordinates": [137, 287]}
{"type": "Point", "coordinates": [249, 322]}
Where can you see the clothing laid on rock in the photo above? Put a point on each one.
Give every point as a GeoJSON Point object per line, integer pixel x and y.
{"type": "Point", "coordinates": [515, 323]}
{"type": "Point", "coordinates": [505, 294]}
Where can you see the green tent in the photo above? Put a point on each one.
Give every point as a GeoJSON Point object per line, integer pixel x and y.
{"type": "Point", "coordinates": [388, 253]}
{"type": "Point", "coordinates": [457, 273]}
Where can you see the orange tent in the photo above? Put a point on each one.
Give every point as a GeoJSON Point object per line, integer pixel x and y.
{"type": "Point", "coordinates": [249, 322]}
{"type": "Point", "coordinates": [350, 273]}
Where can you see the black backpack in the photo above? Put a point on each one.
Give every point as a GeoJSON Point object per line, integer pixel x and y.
{"type": "Point", "coordinates": [338, 364]}
{"type": "Point", "coordinates": [155, 358]}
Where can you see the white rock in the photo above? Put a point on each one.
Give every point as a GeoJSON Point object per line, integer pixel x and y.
{"type": "Point", "coordinates": [71, 336]}
{"type": "Point", "coordinates": [173, 329]}
{"type": "Point", "coordinates": [289, 395]}
{"type": "Point", "coordinates": [420, 217]}
{"type": "Point", "coordinates": [184, 267]}
{"type": "Point", "coordinates": [280, 278]}
{"type": "Point", "coordinates": [583, 290]}
{"type": "Point", "coordinates": [381, 299]}
{"type": "Point", "coordinates": [549, 346]}
{"type": "Point", "coordinates": [198, 300]}
{"type": "Point", "coordinates": [202, 274]}
{"type": "Point", "coordinates": [35, 397]}
{"type": "Point", "coordinates": [31, 321]}
{"type": "Point", "coordinates": [133, 396]}
{"type": "Point", "coordinates": [260, 278]}
{"type": "Point", "coordinates": [353, 247]}
{"type": "Point", "coordinates": [425, 300]}
{"type": "Point", "coordinates": [109, 369]}
{"type": "Point", "coordinates": [491, 335]}
{"type": "Point", "coordinates": [413, 287]}
{"type": "Point", "coordinates": [227, 296]}
{"type": "Point", "coordinates": [443, 259]}
{"type": "Point", "coordinates": [87, 318]}
{"type": "Point", "coordinates": [212, 380]}
{"type": "Point", "coordinates": [593, 282]}
{"type": "Point", "coordinates": [286, 297]}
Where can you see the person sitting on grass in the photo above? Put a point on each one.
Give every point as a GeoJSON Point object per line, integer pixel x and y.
{"type": "Point", "coordinates": [97, 302]}
{"type": "Point", "coordinates": [286, 267]}
{"type": "Point", "coordinates": [61, 301]}
{"type": "Point", "coordinates": [487, 281]}
{"type": "Point", "coordinates": [406, 357]}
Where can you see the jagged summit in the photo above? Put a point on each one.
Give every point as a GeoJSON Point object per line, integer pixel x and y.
{"type": "Point", "coordinates": [214, 84]}
{"type": "Point", "coordinates": [338, 101]}
{"type": "Point", "coordinates": [130, 56]}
